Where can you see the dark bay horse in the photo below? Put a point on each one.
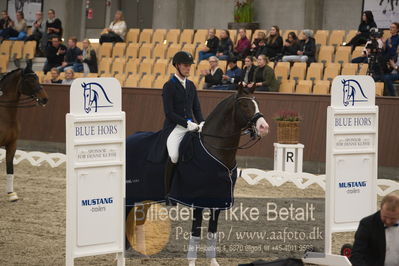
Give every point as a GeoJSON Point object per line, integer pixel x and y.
{"type": "Point", "coordinates": [12, 86]}
{"type": "Point", "coordinates": [220, 138]}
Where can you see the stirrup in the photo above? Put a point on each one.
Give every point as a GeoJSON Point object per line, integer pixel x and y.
{"type": "Point", "coordinates": [12, 197]}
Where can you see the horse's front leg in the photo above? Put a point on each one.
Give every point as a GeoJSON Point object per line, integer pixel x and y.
{"type": "Point", "coordinates": [211, 239]}
{"type": "Point", "coordinates": [10, 153]}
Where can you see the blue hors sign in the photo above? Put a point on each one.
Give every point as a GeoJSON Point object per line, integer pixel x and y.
{"type": "Point", "coordinates": [353, 91]}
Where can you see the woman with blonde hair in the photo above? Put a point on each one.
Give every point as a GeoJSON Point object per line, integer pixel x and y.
{"type": "Point", "coordinates": [263, 78]}
{"type": "Point", "coordinates": [88, 57]}
{"type": "Point", "coordinates": [274, 43]}
{"type": "Point", "coordinates": [69, 76]}
{"type": "Point", "coordinates": [117, 29]}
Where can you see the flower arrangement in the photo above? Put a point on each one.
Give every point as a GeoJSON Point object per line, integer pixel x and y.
{"type": "Point", "coordinates": [288, 115]}
{"type": "Point", "coordinates": [243, 11]}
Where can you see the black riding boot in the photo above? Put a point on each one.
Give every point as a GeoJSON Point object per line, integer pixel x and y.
{"type": "Point", "coordinates": [168, 177]}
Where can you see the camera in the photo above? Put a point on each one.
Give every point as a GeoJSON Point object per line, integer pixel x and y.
{"type": "Point", "coordinates": [375, 33]}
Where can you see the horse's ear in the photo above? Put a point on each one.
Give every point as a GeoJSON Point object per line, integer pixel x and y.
{"type": "Point", "coordinates": [28, 68]}
{"type": "Point", "coordinates": [252, 89]}
{"type": "Point", "coordinates": [240, 88]}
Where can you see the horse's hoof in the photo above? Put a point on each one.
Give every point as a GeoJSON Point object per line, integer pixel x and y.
{"type": "Point", "coordinates": [12, 197]}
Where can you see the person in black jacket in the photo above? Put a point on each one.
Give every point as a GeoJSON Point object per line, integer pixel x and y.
{"type": "Point", "coordinates": [261, 48]}
{"type": "Point", "coordinates": [213, 76]}
{"type": "Point", "coordinates": [55, 54]}
{"type": "Point", "coordinates": [363, 33]}
{"type": "Point", "coordinates": [291, 45]}
{"type": "Point", "coordinates": [274, 43]}
{"type": "Point", "coordinates": [72, 57]}
{"type": "Point", "coordinates": [226, 46]}
{"type": "Point", "coordinates": [180, 102]}
{"type": "Point", "coordinates": [53, 28]}
{"type": "Point", "coordinates": [306, 51]}
{"type": "Point", "coordinates": [211, 46]}
{"type": "Point", "coordinates": [376, 239]}
{"type": "Point", "coordinates": [88, 57]}
{"type": "Point", "coordinates": [248, 70]}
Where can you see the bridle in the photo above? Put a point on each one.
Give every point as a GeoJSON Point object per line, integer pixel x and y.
{"type": "Point", "coordinates": [248, 129]}
{"type": "Point", "coordinates": [26, 101]}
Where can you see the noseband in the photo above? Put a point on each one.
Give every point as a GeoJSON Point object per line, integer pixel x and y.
{"type": "Point", "coordinates": [250, 127]}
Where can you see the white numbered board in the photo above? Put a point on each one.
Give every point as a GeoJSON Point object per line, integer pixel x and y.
{"type": "Point", "coordinates": [351, 154]}
{"type": "Point", "coordinates": [95, 134]}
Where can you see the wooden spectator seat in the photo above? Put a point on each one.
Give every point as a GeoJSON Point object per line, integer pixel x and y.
{"type": "Point", "coordinates": [172, 50]}
{"type": "Point", "coordinates": [223, 65]}
{"type": "Point", "coordinates": [160, 66]}
{"type": "Point", "coordinates": [343, 54]}
{"type": "Point", "coordinates": [386, 34]}
{"type": "Point", "coordinates": [5, 47]}
{"type": "Point", "coordinates": [187, 36]}
{"type": "Point", "coordinates": [287, 86]}
{"type": "Point", "coordinates": [171, 69]}
{"type": "Point", "coordinates": [121, 77]}
{"type": "Point", "coordinates": [160, 81]}
{"type": "Point", "coordinates": [131, 81]}
{"type": "Point", "coordinates": [304, 87]}
{"type": "Point", "coordinates": [145, 36]}
{"type": "Point", "coordinates": [282, 70]}
{"type": "Point", "coordinates": [132, 51]}
{"type": "Point", "coordinates": [173, 36]}
{"type": "Point", "coordinates": [79, 45]}
{"type": "Point", "coordinates": [321, 37]}
{"type": "Point", "coordinates": [159, 50]}
{"type": "Point", "coordinates": [332, 70]}
{"type": "Point", "coordinates": [336, 37]}
{"type": "Point", "coordinates": [132, 35]}
{"type": "Point", "coordinates": [203, 65]}
{"type": "Point", "coordinates": [92, 75]}
{"type": "Point", "coordinates": [158, 36]}
{"type": "Point", "coordinates": [350, 35]}
{"type": "Point", "coordinates": [286, 32]}
{"type": "Point", "coordinates": [3, 63]}
{"type": "Point", "coordinates": [146, 50]}
{"type": "Point", "coordinates": [79, 75]}
{"type": "Point", "coordinates": [106, 75]}
{"type": "Point", "coordinates": [321, 87]}
{"type": "Point", "coordinates": [119, 49]}
{"type": "Point", "coordinates": [349, 69]}
{"type": "Point", "coordinates": [271, 64]}
{"type": "Point", "coordinates": [233, 36]}
{"type": "Point", "coordinates": [190, 48]}
{"type": "Point", "coordinates": [29, 50]}
{"type": "Point", "coordinates": [379, 88]}
{"type": "Point", "coordinates": [326, 53]}
{"type": "Point", "coordinates": [298, 71]}
{"type": "Point", "coordinates": [239, 64]}
{"type": "Point", "coordinates": [104, 50]}
{"type": "Point", "coordinates": [16, 49]}
{"type": "Point", "coordinates": [95, 46]}
{"type": "Point", "coordinates": [248, 33]}
{"type": "Point", "coordinates": [315, 72]}
{"type": "Point", "coordinates": [40, 74]}
{"type": "Point", "coordinates": [147, 81]}
{"type": "Point", "coordinates": [118, 66]}
{"type": "Point", "coordinates": [105, 65]}
{"type": "Point", "coordinates": [363, 69]}
{"type": "Point", "coordinates": [146, 66]}
{"type": "Point", "coordinates": [357, 52]}
{"type": "Point", "coordinates": [200, 36]}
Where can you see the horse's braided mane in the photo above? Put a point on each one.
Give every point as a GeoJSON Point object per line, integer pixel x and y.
{"type": "Point", "coordinates": [9, 73]}
{"type": "Point", "coordinates": [220, 106]}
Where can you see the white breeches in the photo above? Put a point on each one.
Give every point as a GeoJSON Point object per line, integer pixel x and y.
{"type": "Point", "coordinates": [173, 142]}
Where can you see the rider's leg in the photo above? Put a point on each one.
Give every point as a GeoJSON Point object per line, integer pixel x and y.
{"type": "Point", "coordinates": [212, 237]}
{"type": "Point", "coordinates": [195, 237]}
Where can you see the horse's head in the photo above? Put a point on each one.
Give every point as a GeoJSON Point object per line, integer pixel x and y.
{"type": "Point", "coordinates": [349, 88]}
{"type": "Point", "coordinates": [87, 96]}
{"type": "Point", "coordinates": [247, 113]}
{"type": "Point", "coordinates": [30, 85]}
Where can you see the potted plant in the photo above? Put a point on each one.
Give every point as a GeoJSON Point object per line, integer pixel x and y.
{"type": "Point", "coordinates": [243, 15]}
{"type": "Point", "coordinates": [288, 123]}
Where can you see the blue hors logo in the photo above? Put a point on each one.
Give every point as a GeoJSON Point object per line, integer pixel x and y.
{"type": "Point", "coordinates": [95, 97]}
{"type": "Point", "coordinates": [351, 89]}
{"type": "Point", "coordinates": [358, 184]}
{"type": "Point", "coordinates": [94, 202]}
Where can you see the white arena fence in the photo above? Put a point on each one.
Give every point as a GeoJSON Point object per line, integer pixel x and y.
{"type": "Point", "coordinates": [251, 175]}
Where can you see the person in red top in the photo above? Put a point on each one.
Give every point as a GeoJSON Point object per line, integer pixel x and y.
{"type": "Point", "coordinates": [241, 50]}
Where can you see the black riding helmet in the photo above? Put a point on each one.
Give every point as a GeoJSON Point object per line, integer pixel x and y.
{"type": "Point", "coordinates": [182, 57]}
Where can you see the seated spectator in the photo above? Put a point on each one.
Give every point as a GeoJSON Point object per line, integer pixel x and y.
{"type": "Point", "coordinates": [307, 49]}
{"type": "Point", "coordinates": [260, 36]}
{"type": "Point", "coordinates": [53, 28]}
{"type": "Point", "coordinates": [15, 28]}
{"type": "Point", "coordinates": [274, 43]}
{"type": "Point", "coordinates": [388, 79]}
{"type": "Point", "coordinates": [291, 44]}
{"type": "Point", "coordinates": [376, 239]}
{"type": "Point", "coordinates": [117, 29]}
{"type": "Point", "coordinates": [363, 32]}
{"type": "Point", "coordinates": [391, 44]}
{"type": "Point", "coordinates": [88, 57]}
{"type": "Point", "coordinates": [55, 54]}
{"type": "Point", "coordinates": [38, 30]}
{"type": "Point", "coordinates": [213, 76]}
{"type": "Point", "coordinates": [55, 76]}
{"type": "Point", "coordinates": [5, 21]}
{"type": "Point", "coordinates": [366, 50]}
{"type": "Point", "coordinates": [232, 77]}
{"type": "Point", "coordinates": [69, 76]}
{"type": "Point", "coordinates": [248, 70]}
{"type": "Point", "coordinates": [260, 48]}
{"type": "Point", "coordinates": [225, 48]}
{"type": "Point", "coordinates": [264, 78]}
{"type": "Point", "coordinates": [211, 46]}
{"type": "Point", "coordinates": [241, 50]}
{"type": "Point", "coordinates": [72, 55]}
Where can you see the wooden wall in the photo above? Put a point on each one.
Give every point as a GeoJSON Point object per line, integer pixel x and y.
{"type": "Point", "coordinates": [144, 112]}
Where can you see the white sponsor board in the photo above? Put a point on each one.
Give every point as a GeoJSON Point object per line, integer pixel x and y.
{"type": "Point", "coordinates": [95, 137]}
{"type": "Point", "coordinates": [351, 154]}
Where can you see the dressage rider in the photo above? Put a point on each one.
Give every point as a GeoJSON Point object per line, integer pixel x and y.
{"type": "Point", "coordinates": [180, 102]}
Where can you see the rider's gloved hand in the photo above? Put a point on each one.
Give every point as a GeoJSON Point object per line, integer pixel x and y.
{"type": "Point", "coordinates": [200, 126]}
{"type": "Point", "coordinates": [191, 126]}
